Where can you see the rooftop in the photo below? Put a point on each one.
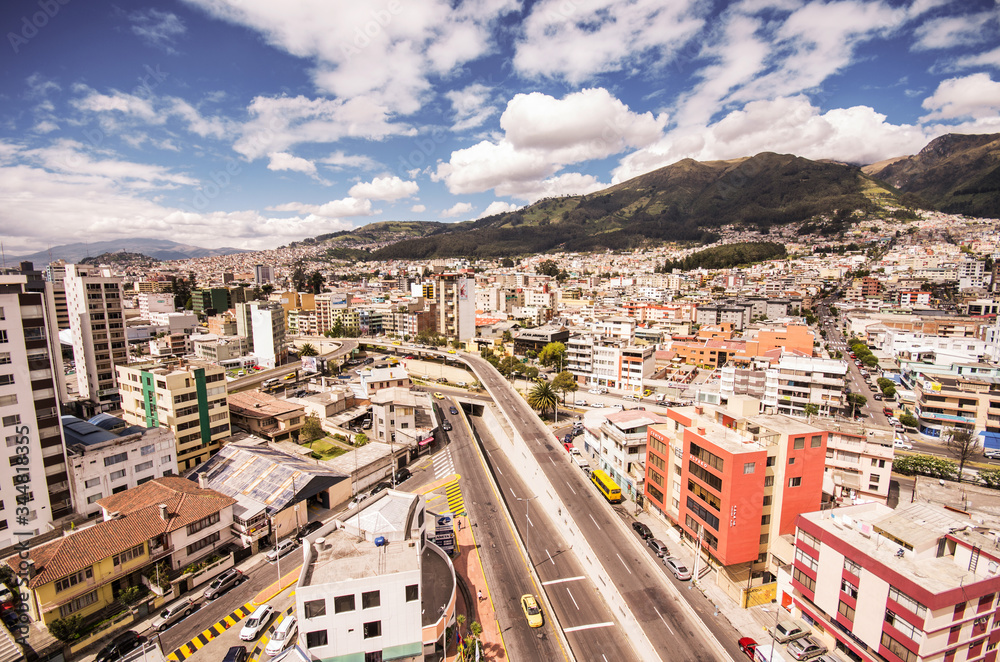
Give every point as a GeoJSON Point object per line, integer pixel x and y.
{"type": "Point", "coordinates": [254, 404]}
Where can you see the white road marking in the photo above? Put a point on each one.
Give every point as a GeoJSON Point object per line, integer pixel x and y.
{"type": "Point", "coordinates": [663, 619]}
{"type": "Point", "coordinates": [623, 563]}
{"type": "Point", "coordinates": [564, 579]}
{"type": "Point", "coordinates": [573, 599]}
{"type": "Point", "coordinates": [589, 627]}
{"type": "Point", "coordinates": [570, 488]}
{"type": "Point", "coordinates": [550, 557]}
{"type": "Point", "coordinates": [595, 522]}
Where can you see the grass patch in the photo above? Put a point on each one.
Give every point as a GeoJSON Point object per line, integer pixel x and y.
{"type": "Point", "coordinates": [324, 450]}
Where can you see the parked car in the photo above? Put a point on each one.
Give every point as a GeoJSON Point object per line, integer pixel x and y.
{"type": "Point", "coordinates": [236, 654]}
{"type": "Point", "coordinates": [403, 474]}
{"type": "Point", "coordinates": [446, 426]}
{"type": "Point", "coordinates": [676, 566]}
{"type": "Point", "coordinates": [256, 622]}
{"type": "Point", "coordinates": [309, 528]}
{"type": "Point", "coordinates": [876, 396]}
{"type": "Point", "coordinates": [788, 630]}
{"type": "Point", "coordinates": [747, 645]}
{"type": "Point", "coordinates": [120, 645]}
{"type": "Point", "coordinates": [597, 405]}
{"type": "Point", "coordinates": [580, 403]}
{"type": "Point", "coordinates": [223, 583]}
{"type": "Point", "coordinates": [356, 501]}
{"type": "Point", "coordinates": [657, 546]}
{"type": "Point", "coordinates": [173, 613]}
{"type": "Point", "coordinates": [282, 548]}
{"type": "Point", "coordinates": [452, 411]}
{"type": "Point", "coordinates": [378, 488]}
{"type": "Point", "coordinates": [806, 648]}
{"type": "Point", "coordinates": [643, 530]}
{"type": "Point", "coordinates": [284, 636]}
{"type": "Point", "coordinates": [594, 391]}
{"type": "Point", "coordinates": [532, 612]}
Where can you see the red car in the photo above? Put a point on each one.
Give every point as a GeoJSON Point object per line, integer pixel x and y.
{"type": "Point", "coordinates": [747, 645]}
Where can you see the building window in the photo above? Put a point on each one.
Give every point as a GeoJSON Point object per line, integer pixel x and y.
{"type": "Point", "coordinates": [6, 380]}
{"type": "Point", "coordinates": [846, 610]}
{"type": "Point", "coordinates": [806, 560]}
{"type": "Point", "coordinates": [767, 500]}
{"type": "Point", "coordinates": [95, 498]}
{"type": "Point", "coordinates": [372, 629]}
{"type": "Point", "coordinates": [901, 624]}
{"type": "Point", "coordinates": [804, 579]}
{"type": "Point", "coordinates": [77, 604]}
{"type": "Point", "coordinates": [770, 461]}
{"type": "Point", "coordinates": [815, 441]}
{"type": "Point", "coordinates": [852, 567]}
{"type": "Point", "coordinates": [195, 527]}
{"type": "Point", "coordinates": [749, 467]}
{"type": "Point", "coordinates": [370, 599]}
{"type": "Point", "coordinates": [204, 542]}
{"type": "Point", "coordinates": [316, 638]}
{"type": "Point", "coordinates": [791, 460]}
{"type": "Point", "coordinates": [315, 608]}
{"type": "Point", "coordinates": [115, 459]}
{"type": "Point", "coordinates": [898, 649]}
{"type": "Point", "coordinates": [14, 419]}
{"type": "Point", "coordinates": [73, 580]}
{"type": "Point", "coordinates": [768, 481]}
{"type": "Point", "coordinates": [343, 603]}
{"type": "Point", "coordinates": [795, 481]}
{"type": "Point", "coordinates": [93, 482]}
{"type": "Point", "coordinates": [807, 538]}
{"type": "Point", "coordinates": [144, 466]}
{"type": "Point", "coordinates": [799, 444]}
{"type": "Point", "coordinates": [147, 450]}
{"type": "Point", "coordinates": [117, 475]}
{"type": "Point", "coordinates": [129, 554]}
{"type": "Point", "coordinates": [849, 588]}
{"type": "Point", "coordinates": [909, 603]}
{"type": "Point", "coordinates": [412, 592]}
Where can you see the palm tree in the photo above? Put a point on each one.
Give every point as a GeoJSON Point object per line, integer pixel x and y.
{"type": "Point", "coordinates": [308, 349]}
{"type": "Point", "coordinates": [543, 397]}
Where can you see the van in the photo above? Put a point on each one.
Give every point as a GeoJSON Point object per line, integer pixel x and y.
{"type": "Point", "coordinates": [268, 383]}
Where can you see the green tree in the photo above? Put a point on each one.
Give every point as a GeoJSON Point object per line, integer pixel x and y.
{"type": "Point", "coordinates": [856, 401]}
{"type": "Point", "coordinates": [964, 445]}
{"type": "Point", "coordinates": [565, 382]}
{"type": "Point", "coordinates": [811, 409]}
{"type": "Point", "coordinates": [158, 575]}
{"type": "Point", "coordinates": [889, 392]}
{"type": "Point", "coordinates": [552, 354]}
{"type": "Point", "coordinates": [543, 397]}
{"type": "Point", "coordinates": [360, 439]}
{"type": "Point", "coordinates": [66, 629]}
{"type": "Point", "coordinates": [311, 430]}
{"type": "Point", "coordinates": [547, 268]}
{"type": "Point", "coordinates": [869, 361]}
{"type": "Point", "coordinates": [308, 349]}
{"type": "Point", "coordinates": [506, 263]}
{"type": "Point", "coordinates": [266, 289]}
{"type": "Point", "coordinates": [990, 477]}
{"type": "Point", "coordinates": [456, 344]}
{"type": "Point", "coordinates": [316, 281]}
{"type": "Point", "coordinates": [508, 366]}
{"type": "Point", "coordinates": [299, 280]}
{"type": "Point", "coordinates": [909, 420]}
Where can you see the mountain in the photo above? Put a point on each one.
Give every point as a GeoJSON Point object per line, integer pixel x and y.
{"type": "Point", "coordinates": [955, 173]}
{"type": "Point", "coordinates": [358, 244]}
{"type": "Point", "coordinates": [685, 201]}
{"type": "Point", "coordinates": [161, 249]}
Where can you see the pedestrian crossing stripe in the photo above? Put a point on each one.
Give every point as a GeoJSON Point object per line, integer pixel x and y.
{"type": "Point", "coordinates": [210, 633]}
{"type": "Point", "coordinates": [455, 502]}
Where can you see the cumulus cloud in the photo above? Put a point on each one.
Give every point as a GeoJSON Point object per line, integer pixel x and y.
{"type": "Point", "coordinates": [471, 106]}
{"type": "Point", "coordinates": [384, 188]}
{"type": "Point", "coordinates": [286, 161]}
{"type": "Point", "coordinates": [458, 209]}
{"type": "Point", "coordinates": [157, 28]}
{"type": "Point", "coordinates": [952, 31]}
{"type": "Point", "coordinates": [987, 59]}
{"type": "Point", "coordinates": [542, 135]}
{"type": "Point", "coordinates": [418, 209]}
{"type": "Point", "coordinates": [497, 207]}
{"type": "Point", "coordinates": [334, 209]}
{"type": "Point", "coordinates": [976, 96]}
{"type": "Point", "coordinates": [150, 110]}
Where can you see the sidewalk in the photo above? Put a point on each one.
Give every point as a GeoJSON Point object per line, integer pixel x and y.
{"type": "Point", "coordinates": [469, 572]}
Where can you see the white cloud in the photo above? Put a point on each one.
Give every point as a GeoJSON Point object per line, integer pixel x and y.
{"type": "Point", "coordinates": [45, 126]}
{"type": "Point", "coordinates": [278, 123]}
{"type": "Point", "coordinates": [470, 106]}
{"type": "Point", "coordinates": [418, 209]}
{"type": "Point", "coordinates": [952, 31]}
{"type": "Point", "coordinates": [339, 160]}
{"type": "Point", "coordinates": [497, 207]}
{"type": "Point", "coordinates": [71, 158]}
{"type": "Point", "coordinates": [457, 209]}
{"type": "Point", "coordinates": [333, 209]}
{"type": "Point", "coordinates": [976, 96]}
{"type": "Point", "coordinates": [157, 28]}
{"type": "Point", "coordinates": [120, 102]}
{"type": "Point", "coordinates": [381, 52]}
{"type": "Point", "coordinates": [569, 183]}
{"type": "Point", "coordinates": [286, 161]}
{"type": "Point", "coordinates": [151, 110]}
{"type": "Point", "coordinates": [987, 59]}
{"type": "Point", "coordinates": [785, 125]}
{"type": "Point", "coordinates": [384, 188]}
{"type": "Point", "coordinates": [577, 40]}
{"type": "Point", "coordinates": [541, 136]}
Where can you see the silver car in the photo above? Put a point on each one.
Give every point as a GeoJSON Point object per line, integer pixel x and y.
{"type": "Point", "coordinates": [676, 566]}
{"type": "Point", "coordinates": [789, 630]}
{"type": "Point", "coordinates": [173, 613]}
{"type": "Point", "coordinates": [806, 648]}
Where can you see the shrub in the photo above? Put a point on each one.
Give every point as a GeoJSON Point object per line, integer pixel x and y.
{"type": "Point", "coordinates": [66, 629]}
{"type": "Point", "coordinates": [925, 465]}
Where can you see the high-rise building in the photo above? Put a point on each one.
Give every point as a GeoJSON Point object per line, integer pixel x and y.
{"type": "Point", "coordinates": [456, 299]}
{"type": "Point", "coordinates": [55, 274]}
{"type": "Point", "coordinates": [188, 398]}
{"type": "Point", "coordinates": [151, 302]}
{"type": "Point", "coordinates": [210, 301]}
{"type": "Point", "coordinates": [267, 319]}
{"type": "Point", "coordinates": [263, 273]}
{"type": "Point", "coordinates": [94, 302]}
{"type": "Point", "coordinates": [36, 475]}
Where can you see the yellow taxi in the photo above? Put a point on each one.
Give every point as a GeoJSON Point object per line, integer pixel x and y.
{"type": "Point", "coordinates": [532, 612]}
{"type": "Point", "coordinates": [439, 396]}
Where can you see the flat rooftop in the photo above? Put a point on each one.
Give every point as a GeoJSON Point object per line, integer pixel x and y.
{"type": "Point", "coordinates": [343, 556]}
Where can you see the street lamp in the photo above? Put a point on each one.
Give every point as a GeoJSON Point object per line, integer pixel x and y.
{"type": "Point", "coordinates": [527, 524]}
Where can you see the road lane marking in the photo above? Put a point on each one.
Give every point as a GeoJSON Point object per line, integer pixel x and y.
{"type": "Point", "coordinates": [595, 522]}
{"type": "Point", "coordinates": [623, 562]}
{"type": "Point", "coordinates": [550, 557]}
{"type": "Point", "coordinates": [573, 599]}
{"type": "Point", "coordinates": [571, 488]}
{"type": "Point", "coordinates": [564, 579]}
{"type": "Point", "coordinates": [589, 627]}
{"type": "Point", "coordinates": [663, 619]}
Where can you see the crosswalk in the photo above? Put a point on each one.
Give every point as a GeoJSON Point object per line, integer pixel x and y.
{"type": "Point", "coordinates": [190, 648]}
{"type": "Point", "coordinates": [443, 464]}
{"type": "Point", "coordinates": [455, 502]}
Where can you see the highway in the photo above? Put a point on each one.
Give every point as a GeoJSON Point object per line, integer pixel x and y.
{"type": "Point", "coordinates": [345, 346]}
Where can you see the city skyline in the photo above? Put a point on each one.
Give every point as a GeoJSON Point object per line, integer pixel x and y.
{"type": "Point", "coordinates": [251, 126]}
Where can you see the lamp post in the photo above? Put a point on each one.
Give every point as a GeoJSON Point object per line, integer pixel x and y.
{"type": "Point", "coordinates": [527, 524]}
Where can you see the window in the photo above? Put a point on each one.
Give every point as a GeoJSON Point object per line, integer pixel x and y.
{"type": "Point", "coordinates": [849, 588]}
{"type": "Point", "coordinates": [6, 380]}
{"type": "Point", "coordinates": [852, 567]}
{"type": "Point", "coordinates": [749, 467]}
{"type": "Point", "coordinates": [794, 481]}
{"type": "Point", "coordinates": [14, 419]}
{"type": "Point", "coordinates": [77, 604]}
{"type": "Point", "coordinates": [846, 610]}
{"type": "Point", "coordinates": [791, 460]}
{"type": "Point", "coordinates": [204, 542]}
{"type": "Point", "coordinates": [8, 400]}
{"type": "Point", "coordinates": [768, 481]}
{"type": "Point", "coordinates": [799, 444]}
{"type": "Point", "coordinates": [806, 560]}
{"type": "Point", "coordinates": [147, 450]}
{"type": "Point", "coordinates": [4, 358]}
{"type": "Point", "coordinates": [412, 592]}
{"type": "Point", "coordinates": [93, 482]}
{"type": "Point", "coordinates": [95, 498]}
{"type": "Point", "coordinates": [901, 624]}
{"type": "Point", "coordinates": [3, 335]}
{"type": "Point", "coordinates": [129, 554]}
{"type": "Point", "coordinates": [765, 520]}
{"type": "Point", "coordinates": [767, 500]}
{"type": "Point", "coordinates": [195, 527]}
{"type": "Point", "coordinates": [708, 458]}
{"type": "Point", "coordinates": [315, 608]}
{"type": "Point", "coordinates": [316, 638]}
{"type": "Point", "coordinates": [878, 463]}
{"type": "Point", "coordinates": [703, 513]}
{"type": "Point", "coordinates": [372, 629]}
{"type": "Point", "coordinates": [343, 603]}
{"type": "Point", "coordinates": [144, 466]}
{"type": "Point", "coordinates": [112, 460]}
{"type": "Point", "coordinates": [117, 475]}
{"type": "Point", "coordinates": [804, 579]}
{"type": "Point", "coordinates": [371, 599]}
{"type": "Point", "coordinates": [909, 603]}
{"type": "Point", "coordinates": [74, 579]}
{"type": "Point", "coordinates": [807, 538]}
{"type": "Point", "coordinates": [764, 538]}
{"type": "Point", "coordinates": [815, 441]}
{"type": "Point", "coordinates": [770, 461]}
{"type": "Point", "coordinates": [166, 459]}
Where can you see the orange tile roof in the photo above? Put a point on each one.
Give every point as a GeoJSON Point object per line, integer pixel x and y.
{"type": "Point", "coordinates": [140, 521]}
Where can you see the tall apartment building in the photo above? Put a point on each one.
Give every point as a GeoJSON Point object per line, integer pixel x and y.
{"type": "Point", "coordinates": [328, 307]}
{"type": "Point", "coordinates": [966, 402]}
{"type": "Point", "coordinates": [210, 301]}
{"type": "Point", "coordinates": [455, 295]}
{"type": "Point", "coordinates": [94, 303]}
{"type": "Point", "coordinates": [797, 381]}
{"type": "Point", "coordinates": [971, 274]}
{"type": "Point", "coordinates": [151, 302]}
{"type": "Point", "coordinates": [29, 414]}
{"type": "Point", "coordinates": [267, 319]}
{"type": "Point", "coordinates": [186, 397]}
{"type": "Point", "coordinates": [914, 584]}
{"type": "Point", "coordinates": [55, 274]}
{"type": "Point", "coordinates": [263, 273]}
{"type": "Point", "coordinates": [597, 362]}
{"type": "Point", "coordinates": [735, 483]}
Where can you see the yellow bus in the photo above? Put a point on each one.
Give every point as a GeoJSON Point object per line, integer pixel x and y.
{"type": "Point", "coordinates": [608, 487]}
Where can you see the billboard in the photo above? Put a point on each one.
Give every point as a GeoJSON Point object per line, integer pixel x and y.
{"type": "Point", "coordinates": [309, 364]}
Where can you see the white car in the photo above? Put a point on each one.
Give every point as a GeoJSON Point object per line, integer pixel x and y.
{"type": "Point", "coordinates": [597, 405]}
{"type": "Point", "coordinates": [902, 443]}
{"type": "Point", "coordinates": [594, 391]}
{"type": "Point", "coordinates": [256, 623]}
{"type": "Point", "coordinates": [283, 637]}
{"type": "Point", "coordinates": [284, 547]}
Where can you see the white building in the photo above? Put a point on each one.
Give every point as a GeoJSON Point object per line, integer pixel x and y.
{"type": "Point", "coordinates": [622, 448]}
{"type": "Point", "coordinates": [150, 302]}
{"type": "Point", "coordinates": [456, 312]}
{"type": "Point", "coordinates": [798, 381]}
{"type": "Point", "coordinates": [971, 274]}
{"type": "Point", "coordinates": [267, 320]}
{"type": "Point", "coordinates": [29, 413]}
{"type": "Point", "coordinates": [94, 303]}
{"type": "Point", "coordinates": [375, 587]}
{"type": "Point", "coordinates": [184, 322]}
{"type": "Point", "coordinates": [597, 362]}
{"type": "Point", "coordinates": [946, 349]}
{"type": "Point", "coordinates": [102, 462]}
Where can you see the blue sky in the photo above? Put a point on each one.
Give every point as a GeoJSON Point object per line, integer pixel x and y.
{"type": "Point", "coordinates": [253, 123]}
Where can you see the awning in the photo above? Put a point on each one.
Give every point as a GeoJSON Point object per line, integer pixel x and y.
{"type": "Point", "coordinates": [425, 441]}
{"type": "Point", "coordinates": [990, 436]}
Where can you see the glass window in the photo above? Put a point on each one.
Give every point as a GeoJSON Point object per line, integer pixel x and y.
{"type": "Point", "coordinates": [315, 608]}
{"type": "Point", "coordinates": [749, 467]}
{"type": "Point", "coordinates": [316, 638]}
{"type": "Point", "coordinates": [370, 599]}
{"type": "Point", "coordinates": [794, 481]}
{"type": "Point", "coordinates": [412, 592]}
{"type": "Point", "coordinates": [343, 603]}
{"type": "Point", "coordinates": [372, 629]}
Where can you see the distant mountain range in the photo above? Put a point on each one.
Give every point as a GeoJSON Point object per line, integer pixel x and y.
{"type": "Point", "coordinates": [161, 249]}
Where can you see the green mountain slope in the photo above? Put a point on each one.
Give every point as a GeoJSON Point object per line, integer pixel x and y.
{"type": "Point", "coordinates": [956, 173]}
{"type": "Point", "coordinates": [684, 201]}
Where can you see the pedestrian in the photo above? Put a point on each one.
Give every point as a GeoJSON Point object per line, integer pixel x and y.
{"type": "Point", "coordinates": [480, 595]}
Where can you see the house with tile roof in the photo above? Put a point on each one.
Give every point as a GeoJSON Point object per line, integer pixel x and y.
{"type": "Point", "coordinates": [168, 519]}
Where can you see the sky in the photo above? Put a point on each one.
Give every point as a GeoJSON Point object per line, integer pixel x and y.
{"type": "Point", "coordinates": [254, 123]}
